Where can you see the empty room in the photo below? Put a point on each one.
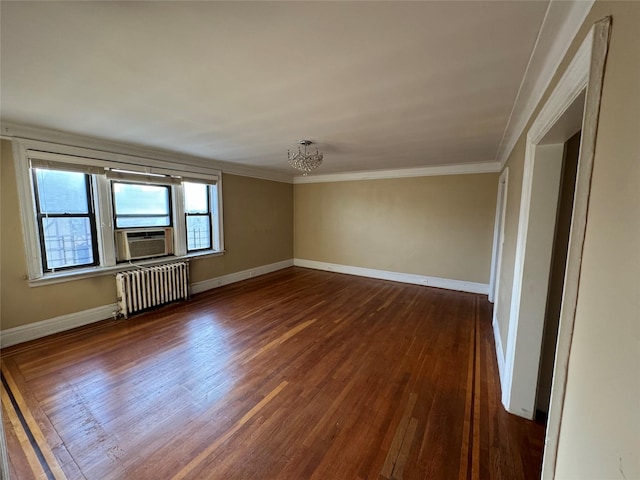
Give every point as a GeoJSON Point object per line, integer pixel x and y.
{"type": "Point", "coordinates": [286, 240]}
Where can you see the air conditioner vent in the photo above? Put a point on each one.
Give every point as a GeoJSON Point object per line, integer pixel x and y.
{"type": "Point", "coordinates": [147, 247]}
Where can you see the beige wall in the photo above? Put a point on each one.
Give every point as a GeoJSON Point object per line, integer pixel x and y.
{"type": "Point", "coordinates": [434, 226]}
{"type": "Point", "coordinates": [600, 434]}
{"type": "Point", "coordinates": [600, 430]}
{"type": "Point", "coordinates": [258, 227]}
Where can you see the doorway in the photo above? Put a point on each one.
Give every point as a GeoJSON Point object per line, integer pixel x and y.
{"type": "Point", "coordinates": [560, 248]}
{"type": "Point", "coordinates": [573, 105]}
{"type": "Point", "coordinates": [534, 251]}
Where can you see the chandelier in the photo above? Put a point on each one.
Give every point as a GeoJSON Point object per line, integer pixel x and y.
{"type": "Point", "coordinates": [305, 161]}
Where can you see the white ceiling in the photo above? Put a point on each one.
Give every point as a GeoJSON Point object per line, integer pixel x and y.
{"type": "Point", "coordinates": [378, 85]}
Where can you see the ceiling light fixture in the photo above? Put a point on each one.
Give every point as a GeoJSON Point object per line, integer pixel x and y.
{"type": "Point", "coordinates": [305, 161]}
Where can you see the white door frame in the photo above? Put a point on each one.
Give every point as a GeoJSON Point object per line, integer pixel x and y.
{"type": "Point", "coordinates": [498, 236]}
{"type": "Point", "coordinates": [586, 71]}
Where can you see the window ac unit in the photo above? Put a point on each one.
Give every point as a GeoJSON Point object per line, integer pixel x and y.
{"type": "Point", "coordinates": [143, 243]}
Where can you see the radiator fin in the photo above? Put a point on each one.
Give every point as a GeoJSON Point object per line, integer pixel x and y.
{"type": "Point", "coordinates": [145, 288]}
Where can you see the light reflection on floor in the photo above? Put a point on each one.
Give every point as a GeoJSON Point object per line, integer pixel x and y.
{"type": "Point", "coordinates": [116, 405]}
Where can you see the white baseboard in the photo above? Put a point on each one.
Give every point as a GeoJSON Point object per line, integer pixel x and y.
{"type": "Point", "coordinates": [499, 350]}
{"type": "Point", "coordinates": [459, 285]}
{"type": "Point", "coordinates": [24, 333]}
{"type": "Point", "coordinates": [239, 276]}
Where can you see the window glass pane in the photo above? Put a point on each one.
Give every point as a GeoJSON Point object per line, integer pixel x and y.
{"type": "Point", "coordinates": [127, 222]}
{"type": "Point", "coordinates": [67, 241]}
{"type": "Point", "coordinates": [132, 199]}
{"type": "Point", "coordinates": [198, 232]}
{"type": "Point", "coordinates": [195, 198]}
{"type": "Point", "coordinates": [141, 205]}
{"type": "Point", "coordinates": [61, 192]}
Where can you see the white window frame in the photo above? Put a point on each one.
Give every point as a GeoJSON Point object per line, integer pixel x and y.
{"type": "Point", "coordinates": [42, 214]}
{"type": "Point", "coordinates": [25, 150]}
{"type": "Point", "coordinates": [213, 208]}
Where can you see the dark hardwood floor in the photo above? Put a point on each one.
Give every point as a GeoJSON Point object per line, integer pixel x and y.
{"type": "Point", "coordinates": [299, 374]}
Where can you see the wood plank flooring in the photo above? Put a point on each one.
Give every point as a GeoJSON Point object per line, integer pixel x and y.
{"type": "Point", "coordinates": [299, 374]}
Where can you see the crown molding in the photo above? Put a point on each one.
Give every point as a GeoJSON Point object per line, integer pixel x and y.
{"type": "Point", "coordinates": [543, 64]}
{"type": "Point", "coordinates": [431, 171]}
{"type": "Point", "coordinates": [11, 131]}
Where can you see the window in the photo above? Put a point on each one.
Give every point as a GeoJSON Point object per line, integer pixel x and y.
{"type": "Point", "coordinates": [75, 202]}
{"type": "Point", "coordinates": [197, 208]}
{"type": "Point", "coordinates": [65, 217]}
{"type": "Point", "coordinates": [138, 205]}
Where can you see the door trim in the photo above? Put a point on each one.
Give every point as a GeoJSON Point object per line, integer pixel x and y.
{"type": "Point", "coordinates": [586, 71]}
{"type": "Point", "coordinates": [498, 235]}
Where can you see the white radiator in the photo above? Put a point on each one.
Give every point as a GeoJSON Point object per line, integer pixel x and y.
{"type": "Point", "coordinates": [152, 286]}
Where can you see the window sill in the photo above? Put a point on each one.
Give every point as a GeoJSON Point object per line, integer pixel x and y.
{"type": "Point", "coordinates": [79, 274]}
